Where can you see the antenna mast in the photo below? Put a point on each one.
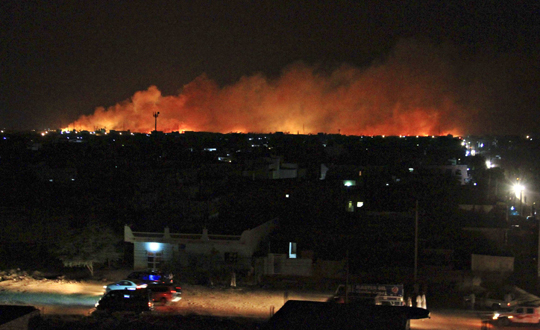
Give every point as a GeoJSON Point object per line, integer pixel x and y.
{"type": "Point", "coordinates": [156, 114]}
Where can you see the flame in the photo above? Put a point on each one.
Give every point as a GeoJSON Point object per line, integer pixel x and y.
{"type": "Point", "coordinates": [412, 92]}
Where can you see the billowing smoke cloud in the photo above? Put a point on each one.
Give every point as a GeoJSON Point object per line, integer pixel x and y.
{"type": "Point", "coordinates": [416, 90]}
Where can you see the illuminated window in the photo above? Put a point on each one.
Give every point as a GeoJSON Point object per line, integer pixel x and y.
{"type": "Point", "coordinates": [349, 183]}
{"type": "Point", "coordinates": [350, 207]}
{"type": "Point", "coordinates": [359, 204]}
{"type": "Point", "coordinates": [292, 250]}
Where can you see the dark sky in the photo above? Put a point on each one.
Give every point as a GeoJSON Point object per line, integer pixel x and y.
{"type": "Point", "coordinates": [63, 59]}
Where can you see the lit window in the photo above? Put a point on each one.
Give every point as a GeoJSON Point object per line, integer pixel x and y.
{"type": "Point", "coordinates": [350, 207]}
{"type": "Point", "coordinates": [292, 250]}
{"type": "Point", "coordinates": [359, 204]}
{"type": "Point", "coordinates": [349, 183]}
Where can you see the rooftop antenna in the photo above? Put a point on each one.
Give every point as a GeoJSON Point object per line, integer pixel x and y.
{"type": "Point", "coordinates": [156, 114]}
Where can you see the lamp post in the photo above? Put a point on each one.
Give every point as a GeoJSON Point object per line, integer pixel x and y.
{"type": "Point", "coordinates": [156, 114]}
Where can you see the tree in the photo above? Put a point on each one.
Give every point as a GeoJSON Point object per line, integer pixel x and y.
{"type": "Point", "coordinates": [93, 243]}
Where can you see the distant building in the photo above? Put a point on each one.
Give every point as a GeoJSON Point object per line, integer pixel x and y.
{"type": "Point", "coordinates": [458, 172]}
{"type": "Point", "coordinates": [272, 168]}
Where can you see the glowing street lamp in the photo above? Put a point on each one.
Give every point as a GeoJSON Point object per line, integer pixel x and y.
{"type": "Point", "coordinates": [518, 189]}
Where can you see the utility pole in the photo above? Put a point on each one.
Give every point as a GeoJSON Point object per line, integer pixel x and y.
{"type": "Point", "coordinates": [538, 267]}
{"type": "Point", "coordinates": [347, 279]}
{"type": "Point", "coordinates": [415, 241]}
{"type": "Point", "coordinates": [521, 202]}
{"type": "Point", "coordinates": [156, 114]}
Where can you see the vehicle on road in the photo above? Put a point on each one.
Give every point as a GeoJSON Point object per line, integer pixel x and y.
{"type": "Point", "coordinates": [517, 314]}
{"type": "Point", "coordinates": [487, 300]}
{"type": "Point", "coordinates": [165, 294]}
{"type": "Point", "coordinates": [151, 277]}
{"type": "Point", "coordinates": [125, 285]}
{"type": "Point", "coordinates": [136, 301]}
{"type": "Point", "coordinates": [370, 294]}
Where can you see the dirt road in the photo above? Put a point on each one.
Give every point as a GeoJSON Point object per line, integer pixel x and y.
{"type": "Point", "coordinates": [55, 297]}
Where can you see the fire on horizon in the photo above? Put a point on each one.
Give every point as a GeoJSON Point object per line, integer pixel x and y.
{"type": "Point", "coordinates": [413, 92]}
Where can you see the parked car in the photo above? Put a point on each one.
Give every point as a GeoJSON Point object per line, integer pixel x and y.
{"type": "Point", "coordinates": [150, 277]}
{"type": "Point", "coordinates": [356, 298]}
{"type": "Point", "coordinates": [136, 301]}
{"type": "Point", "coordinates": [487, 300]}
{"type": "Point", "coordinates": [517, 314]}
{"type": "Point", "coordinates": [125, 285]}
{"type": "Point", "coordinates": [165, 294]}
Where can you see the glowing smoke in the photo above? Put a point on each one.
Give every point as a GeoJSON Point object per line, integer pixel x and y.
{"type": "Point", "coordinates": [414, 91]}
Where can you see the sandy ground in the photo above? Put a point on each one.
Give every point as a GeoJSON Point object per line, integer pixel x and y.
{"type": "Point", "coordinates": [79, 297]}
{"type": "Point", "coordinates": [63, 297]}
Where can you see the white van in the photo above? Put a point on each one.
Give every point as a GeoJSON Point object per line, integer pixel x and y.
{"type": "Point", "coordinates": [371, 294]}
{"type": "Point", "coordinates": [517, 314]}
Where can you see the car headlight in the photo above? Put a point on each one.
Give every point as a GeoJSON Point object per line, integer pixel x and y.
{"type": "Point", "coordinates": [496, 316]}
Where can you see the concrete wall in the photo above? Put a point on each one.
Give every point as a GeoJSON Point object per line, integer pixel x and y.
{"type": "Point", "coordinates": [496, 235]}
{"type": "Point", "coordinates": [279, 264]}
{"type": "Point", "coordinates": [496, 264]}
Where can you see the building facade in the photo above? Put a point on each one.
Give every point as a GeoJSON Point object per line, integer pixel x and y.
{"type": "Point", "coordinates": [153, 249]}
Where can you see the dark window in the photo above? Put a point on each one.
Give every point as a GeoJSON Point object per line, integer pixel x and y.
{"type": "Point", "coordinates": [154, 260]}
{"type": "Point", "coordinates": [231, 257]}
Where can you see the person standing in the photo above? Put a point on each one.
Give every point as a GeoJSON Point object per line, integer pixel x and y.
{"type": "Point", "coordinates": [233, 279]}
{"type": "Point", "coordinates": [419, 301]}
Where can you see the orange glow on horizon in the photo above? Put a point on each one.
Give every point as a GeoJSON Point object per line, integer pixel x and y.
{"type": "Point", "coordinates": [412, 93]}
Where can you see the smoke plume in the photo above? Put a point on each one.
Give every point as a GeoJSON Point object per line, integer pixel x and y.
{"type": "Point", "coordinates": [415, 90]}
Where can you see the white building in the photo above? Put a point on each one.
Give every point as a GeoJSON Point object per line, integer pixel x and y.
{"type": "Point", "coordinates": [151, 249]}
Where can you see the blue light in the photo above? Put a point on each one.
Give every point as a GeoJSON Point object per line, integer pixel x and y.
{"type": "Point", "coordinates": [154, 277]}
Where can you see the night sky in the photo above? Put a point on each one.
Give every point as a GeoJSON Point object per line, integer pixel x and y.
{"type": "Point", "coordinates": [355, 67]}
